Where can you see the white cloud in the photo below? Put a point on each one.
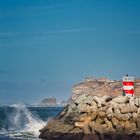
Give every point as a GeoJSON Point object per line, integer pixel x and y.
{"type": "Point", "coordinates": [49, 33]}
{"type": "Point", "coordinates": [70, 30]}
{"type": "Point", "coordinates": [8, 33]}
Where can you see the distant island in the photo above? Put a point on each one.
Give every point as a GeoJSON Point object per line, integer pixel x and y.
{"type": "Point", "coordinates": [52, 102]}
{"type": "Point", "coordinates": [49, 102]}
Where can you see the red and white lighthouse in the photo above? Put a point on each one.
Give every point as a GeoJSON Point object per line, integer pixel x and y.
{"type": "Point", "coordinates": [128, 85]}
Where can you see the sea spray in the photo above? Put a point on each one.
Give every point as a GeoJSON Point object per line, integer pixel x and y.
{"type": "Point", "coordinates": [24, 121]}
{"type": "Point", "coordinates": [20, 122]}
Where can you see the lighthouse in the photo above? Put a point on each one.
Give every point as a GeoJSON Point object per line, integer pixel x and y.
{"type": "Point", "coordinates": [128, 86]}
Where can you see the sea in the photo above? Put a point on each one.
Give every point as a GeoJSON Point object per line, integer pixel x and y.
{"type": "Point", "coordinates": [23, 123]}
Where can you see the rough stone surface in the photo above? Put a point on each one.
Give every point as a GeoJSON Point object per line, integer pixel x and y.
{"type": "Point", "coordinates": [96, 118]}
{"type": "Point", "coordinates": [102, 86]}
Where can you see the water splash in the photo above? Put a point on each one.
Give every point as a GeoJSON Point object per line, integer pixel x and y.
{"type": "Point", "coordinates": [24, 122]}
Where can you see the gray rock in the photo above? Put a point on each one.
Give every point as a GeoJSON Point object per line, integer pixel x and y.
{"type": "Point", "coordinates": [81, 99]}
{"type": "Point", "coordinates": [121, 99]}
{"type": "Point", "coordinates": [88, 100]}
{"type": "Point", "coordinates": [115, 116]}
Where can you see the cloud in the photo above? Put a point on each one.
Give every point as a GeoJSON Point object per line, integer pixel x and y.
{"type": "Point", "coordinates": [70, 30]}
{"type": "Point", "coordinates": [40, 36]}
{"type": "Point", "coordinates": [49, 33]}
{"type": "Point", "coordinates": [8, 33]}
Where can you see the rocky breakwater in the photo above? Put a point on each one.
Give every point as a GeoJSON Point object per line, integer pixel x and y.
{"type": "Point", "coordinates": [96, 118]}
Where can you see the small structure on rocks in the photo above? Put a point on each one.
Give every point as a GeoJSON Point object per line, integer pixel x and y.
{"type": "Point", "coordinates": [100, 87]}
{"type": "Point", "coordinates": [128, 85]}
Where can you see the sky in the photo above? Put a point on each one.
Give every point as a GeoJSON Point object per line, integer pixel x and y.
{"type": "Point", "coordinates": [47, 46]}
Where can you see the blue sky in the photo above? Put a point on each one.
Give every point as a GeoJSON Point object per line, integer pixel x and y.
{"type": "Point", "coordinates": [46, 46]}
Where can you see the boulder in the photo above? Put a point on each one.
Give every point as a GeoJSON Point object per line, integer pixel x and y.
{"type": "Point", "coordinates": [103, 118]}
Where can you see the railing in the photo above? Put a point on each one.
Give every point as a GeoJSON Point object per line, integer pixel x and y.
{"type": "Point", "coordinates": [128, 78]}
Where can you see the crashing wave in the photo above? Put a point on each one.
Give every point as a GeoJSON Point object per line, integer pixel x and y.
{"type": "Point", "coordinates": [23, 123]}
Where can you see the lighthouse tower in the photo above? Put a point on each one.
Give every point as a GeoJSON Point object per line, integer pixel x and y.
{"type": "Point", "coordinates": [128, 86]}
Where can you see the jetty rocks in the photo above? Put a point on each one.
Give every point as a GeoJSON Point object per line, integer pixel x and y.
{"type": "Point", "coordinates": [96, 118]}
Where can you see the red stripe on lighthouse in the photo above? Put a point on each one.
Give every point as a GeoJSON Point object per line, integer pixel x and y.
{"type": "Point", "coordinates": [129, 91]}
{"type": "Point", "coordinates": [128, 83]}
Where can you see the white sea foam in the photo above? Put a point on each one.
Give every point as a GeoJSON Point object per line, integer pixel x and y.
{"type": "Point", "coordinates": [24, 123]}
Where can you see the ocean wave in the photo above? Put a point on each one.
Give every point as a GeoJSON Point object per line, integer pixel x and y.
{"type": "Point", "coordinates": [22, 124]}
